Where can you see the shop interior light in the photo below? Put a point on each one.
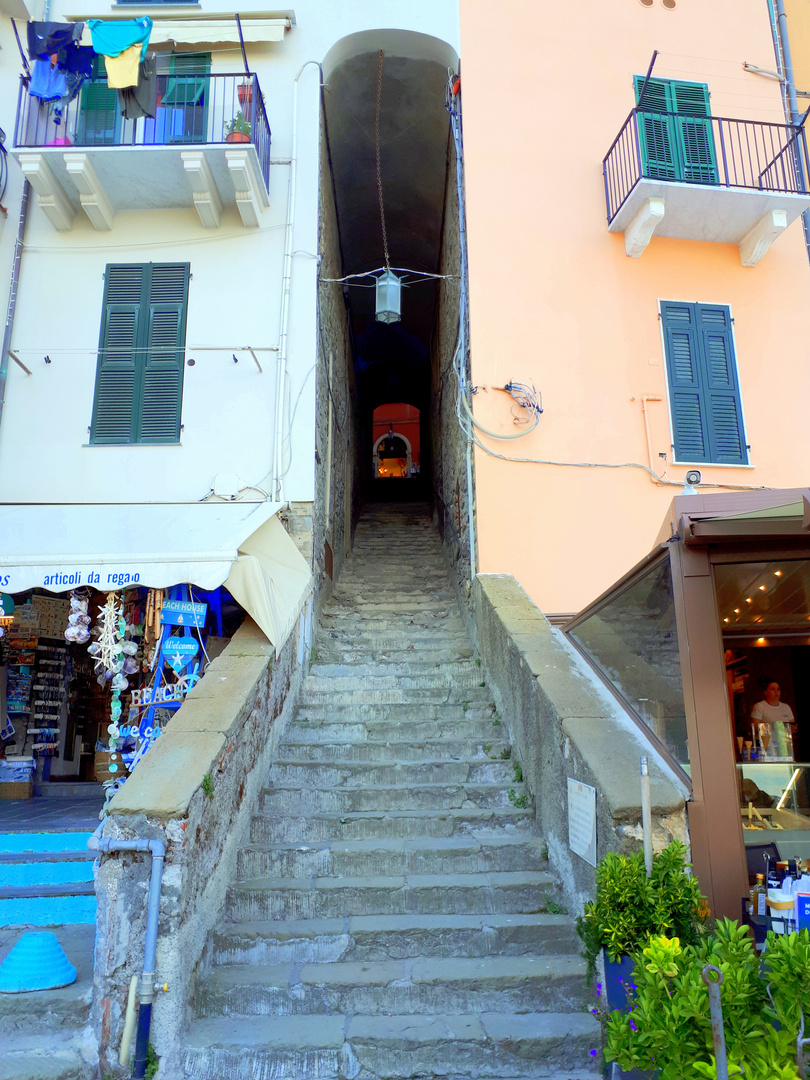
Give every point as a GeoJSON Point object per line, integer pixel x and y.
{"type": "Point", "coordinates": [760, 641]}
{"type": "Point", "coordinates": [748, 600]}
{"type": "Point", "coordinates": [788, 789]}
{"type": "Point", "coordinates": [736, 611]}
{"type": "Point", "coordinates": [762, 588]}
{"type": "Point", "coordinates": [777, 573]}
{"type": "Point", "coordinates": [725, 620]}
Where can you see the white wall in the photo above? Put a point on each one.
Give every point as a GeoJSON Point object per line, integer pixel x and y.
{"type": "Point", "coordinates": [234, 300]}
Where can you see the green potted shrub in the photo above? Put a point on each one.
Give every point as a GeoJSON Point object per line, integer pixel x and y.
{"type": "Point", "coordinates": [667, 1029]}
{"type": "Point", "coordinates": [630, 908]}
{"type": "Point", "coordinates": [238, 130]}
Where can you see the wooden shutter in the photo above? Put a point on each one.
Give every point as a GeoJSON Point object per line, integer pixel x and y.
{"type": "Point", "coordinates": [657, 135]}
{"type": "Point", "coordinates": [723, 405]}
{"type": "Point", "coordinates": [99, 121]}
{"type": "Point", "coordinates": [118, 360]}
{"type": "Point", "coordinates": [695, 138]}
{"type": "Point", "coordinates": [703, 386]}
{"type": "Point", "coordinates": [162, 387]}
{"type": "Point", "coordinates": [139, 378]}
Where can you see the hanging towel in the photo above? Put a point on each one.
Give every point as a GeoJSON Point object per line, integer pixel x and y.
{"type": "Point", "coordinates": [122, 70]}
{"type": "Point", "coordinates": [112, 38]}
{"type": "Point", "coordinates": [141, 100]}
{"type": "Point", "coordinates": [46, 38]}
{"type": "Point", "coordinates": [77, 59]}
{"type": "Point", "coordinates": [47, 83]}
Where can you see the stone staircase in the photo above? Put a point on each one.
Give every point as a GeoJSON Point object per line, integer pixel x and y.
{"type": "Point", "coordinates": [393, 915]}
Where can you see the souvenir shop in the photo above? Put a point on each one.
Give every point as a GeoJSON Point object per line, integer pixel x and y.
{"type": "Point", "coordinates": [96, 659]}
{"type": "Point", "coordinates": [707, 644]}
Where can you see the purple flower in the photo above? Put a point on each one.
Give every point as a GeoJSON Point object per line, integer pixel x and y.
{"type": "Point", "coordinates": [633, 1026]}
{"type": "Point", "coordinates": [599, 989]}
{"type": "Point", "coordinates": [593, 1053]}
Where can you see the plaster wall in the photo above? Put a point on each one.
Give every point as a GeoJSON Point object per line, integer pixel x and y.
{"type": "Point", "coordinates": [555, 301]}
{"type": "Point", "coordinates": [234, 300]}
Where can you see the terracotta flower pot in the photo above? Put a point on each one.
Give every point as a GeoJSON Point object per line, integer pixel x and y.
{"type": "Point", "coordinates": [237, 136]}
{"type": "Point", "coordinates": [245, 91]}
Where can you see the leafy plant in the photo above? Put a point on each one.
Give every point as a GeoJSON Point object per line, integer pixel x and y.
{"type": "Point", "coordinates": [208, 785]}
{"type": "Point", "coordinates": [668, 1023]}
{"type": "Point", "coordinates": [518, 772]}
{"type": "Point", "coordinates": [520, 802]}
{"type": "Point", "coordinates": [506, 753]}
{"type": "Point", "coordinates": [630, 907]}
{"type": "Point", "coordinates": [152, 1062]}
{"type": "Point", "coordinates": [240, 124]}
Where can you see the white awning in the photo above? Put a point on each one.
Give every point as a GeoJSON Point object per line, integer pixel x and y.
{"type": "Point", "coordinates": [106, 546]}
{"type": "Point", "coordinates": [210, 31]}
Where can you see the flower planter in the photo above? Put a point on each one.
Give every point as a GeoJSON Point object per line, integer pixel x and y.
{"type": "Point", "coordinates": [245, 91]}
{"type": "Point", "coordinates": [237, 136]}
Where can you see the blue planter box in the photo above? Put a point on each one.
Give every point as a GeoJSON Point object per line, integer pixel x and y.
{"type": "Point", "coordinates": [615, 975]}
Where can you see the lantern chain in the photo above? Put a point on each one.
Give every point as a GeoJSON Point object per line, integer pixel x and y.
{"type": "Point", "coordinates": [379, 170]}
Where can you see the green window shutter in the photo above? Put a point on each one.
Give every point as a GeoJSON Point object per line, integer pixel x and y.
{"type": "Point", "coordinates": [722, 386]}
{"type": "Point", "coordinates": [139, 377]}
{"type": "Point", "coordinates": [182, 88]}
{"type": "Point", "coordinates": [657, 135]}
{"type": "Point", "coordinates": [703, 385]}
{"type": "Point", "coordinates": [118, 361]}
{"type": "Point", "coordinates": [680, 145]}
{"type": "Point", "coordinates": [162, 389]}
{"type": "Point", "coordinates": [695, 138]}
{"type": "Point", "coordinates": [99, 120]}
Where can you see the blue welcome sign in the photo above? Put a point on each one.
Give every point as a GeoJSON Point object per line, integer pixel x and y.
{"type": "Point", "coordinates": [179, 652]}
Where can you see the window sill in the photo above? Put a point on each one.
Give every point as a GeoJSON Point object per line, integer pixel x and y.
{"type": "Point", "coordinates": [708, 465]}
{"type": "Point", "coordinates": [130, 446]}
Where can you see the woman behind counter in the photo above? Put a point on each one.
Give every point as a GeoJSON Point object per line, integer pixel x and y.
{"type": "Point", "coordinates": [772, 718]}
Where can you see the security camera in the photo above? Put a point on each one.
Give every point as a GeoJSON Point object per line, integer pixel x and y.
{"type": "Point", "coordinates": [693, 477]}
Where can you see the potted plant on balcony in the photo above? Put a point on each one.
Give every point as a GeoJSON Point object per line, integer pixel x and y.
{"type": "Point", "coordinates": [245, 92]}
{"type": "Point", "coordinates": [630, 908]}
{"type": "Point", "coordinates": [238, 130]}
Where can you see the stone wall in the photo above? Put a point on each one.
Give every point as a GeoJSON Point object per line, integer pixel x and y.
{"type": "Point", "coordinates": [563, 723]}
{"type": "Point", "coordinates": [337, 468]}
{"type": "Point", "coordinates": [196, 791]}
{"type": "Point", "coordinates": [451, 507]}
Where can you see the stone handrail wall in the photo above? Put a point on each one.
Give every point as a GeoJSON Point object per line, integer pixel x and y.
{"type": "Point", "coordinates": [195, 790]}
{"type": "Point", "coordinates": [564, 723]}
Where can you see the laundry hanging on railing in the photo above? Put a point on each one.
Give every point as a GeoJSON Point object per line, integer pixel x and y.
{"type": "Point", "coordinates": [47, 38]}
{"type": "Point", "coordinates": [110, 39]}
{"type": "Point", "coordinates": [48, 82]}
{"type": "Point", "coordinates": [141, 99]}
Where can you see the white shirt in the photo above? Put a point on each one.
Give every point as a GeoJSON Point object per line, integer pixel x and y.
{"type": "Point", "coordinates": [772, 714]}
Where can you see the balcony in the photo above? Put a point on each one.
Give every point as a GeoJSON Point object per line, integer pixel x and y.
{"type": "Point", "coordinates": [208, 146]}
{"type": "Point", "coordinates": [705, 178]}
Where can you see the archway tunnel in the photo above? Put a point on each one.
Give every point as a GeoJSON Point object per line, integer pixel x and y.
{"type": "Point", "coordinates": [390, 198]}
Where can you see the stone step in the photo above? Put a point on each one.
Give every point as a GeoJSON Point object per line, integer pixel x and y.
{"type": "Point", "coordinates": [418, 667]}
{"type": "Point", "coordinates": [398, 712]}
{"type": "Point", "coordinates": [385, 656]}
{"type": "Point", "coordinates": [400, 695]}
{"type": "Point", "coordinates": [363, 774]}
{"type": "Point", "coordinates": [42, 1056]}
{"type": "Point", "coordinates": [402, 751]}
{"type": "Point", "coordinates": [323, 731]}
{"type": "Point", "coordinates": [526, 892]}
{"type": "Point", "coordinates": [65, 1009]}
{"type": "Point", "coordinates": [488, 1046]}
{"type": "Point", "coordinates": [377, 858]}
{"type": "Point", "coordinates": [390, 624]}
{"type": "Point", "coordinates": [51, 869]}
{"type": "Point", "coordinates": [477, 984]}
{"type": "Point", "coordinates": [466, 678]}
{"type": "Point", "coordinates": [383, 824]}
{"type": "Point", "coordinates": [390, 797]}
{"type": "Point", "coordinates": [390, 937]}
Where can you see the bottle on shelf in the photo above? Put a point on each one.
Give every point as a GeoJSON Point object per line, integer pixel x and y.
{"type": "Point", "coordinates": [759, 896]}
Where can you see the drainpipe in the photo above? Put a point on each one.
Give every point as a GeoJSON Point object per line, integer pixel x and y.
{"type": "Point", "coordinates": [281, 358]}
{"type": "Point", "coordinates": [792, 101]}
{"type": "Point", "coordinates": [146, 986]}
{"type": "Point", "coordinates": [12, 294]}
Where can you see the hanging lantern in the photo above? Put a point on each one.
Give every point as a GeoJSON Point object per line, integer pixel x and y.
{"type": "Point", "coordinates": [389, 298]}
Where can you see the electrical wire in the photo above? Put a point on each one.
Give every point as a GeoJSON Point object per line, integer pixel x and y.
{"type": "Point", "coordinates": [377, 155]}
{"type": "Point", "coordinates": [395, 269]}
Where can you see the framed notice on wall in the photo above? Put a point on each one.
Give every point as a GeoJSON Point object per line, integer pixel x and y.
{"type": "Point", "coordinates": [582, 820]}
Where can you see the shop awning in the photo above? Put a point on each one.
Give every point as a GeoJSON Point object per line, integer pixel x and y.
{"type": "Point", "coordinates": [211, 31]}
{"type": "Point", "coordinates": [107, 546]}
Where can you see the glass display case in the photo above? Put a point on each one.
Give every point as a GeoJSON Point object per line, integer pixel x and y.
{"type": "Point", "coordinates": [775, 805]}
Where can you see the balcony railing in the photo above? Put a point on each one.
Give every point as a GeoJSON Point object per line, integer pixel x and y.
{"type": "Point", "coordinates": [710, 151]}
{"type": "Point", "coordinates": [196, 110]}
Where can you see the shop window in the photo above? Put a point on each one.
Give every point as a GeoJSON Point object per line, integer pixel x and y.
{"type": "Point", "coordinates": [675, 132]}
{"type": "Point", "coordinates": [631, 638]}
{"type": "Point", "coordinates": [139, 377]}
{"type": "Point", "coordinates": [704, 391]}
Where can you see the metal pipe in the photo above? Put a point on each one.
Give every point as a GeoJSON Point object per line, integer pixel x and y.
{"type": "Point", "coordinates": [644, 399]}
{"type": "Point", "coordinates": [713, 978]}
{"type": "Point", "coordinates": [12, 294]}
{"type": "Point", "coordinates": [281, 363]}
{"type": "Point", "coordinates": [793, 105]}
{"type": "Point", "coordinates": [646, 815]}
{"type": "Point", "coordinates": [129, 1021]}
{"type": "Point", "coordinates": [146, 985]}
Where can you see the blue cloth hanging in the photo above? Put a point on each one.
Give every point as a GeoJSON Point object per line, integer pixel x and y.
{"type": "Point", "coordinates": [114, 37]}
{"type": "Point", "coordinates": [47, 83]}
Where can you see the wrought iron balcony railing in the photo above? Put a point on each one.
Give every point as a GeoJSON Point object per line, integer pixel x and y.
{"type": "Point", "coordinates": [712, 150]}
{"type": "Point", "coordinates": [191, 110]}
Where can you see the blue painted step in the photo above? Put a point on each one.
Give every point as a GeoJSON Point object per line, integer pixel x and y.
{"type": "Point", "coordinates": [46, 879]}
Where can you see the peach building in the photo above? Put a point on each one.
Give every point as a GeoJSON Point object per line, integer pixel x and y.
{"type": "Point", "coordinates": [636, 194]}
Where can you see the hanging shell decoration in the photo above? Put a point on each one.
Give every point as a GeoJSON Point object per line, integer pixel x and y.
{"type": "Point", "coordinates": [78, 628]}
